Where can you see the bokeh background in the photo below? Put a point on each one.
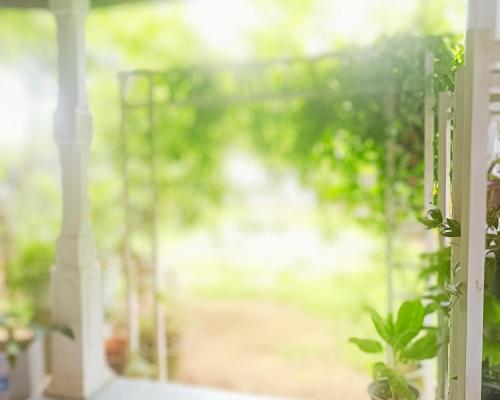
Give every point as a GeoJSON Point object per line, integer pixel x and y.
{"type": "Point", "coordinates": [273, 230]}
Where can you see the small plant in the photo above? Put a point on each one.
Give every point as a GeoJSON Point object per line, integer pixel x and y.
{"type": "Point", "coordinates": [407, 341]}
{"type": "Point", "coordinates": [440, 290]}
{"type": "Point", "coordinates": [18, 330]}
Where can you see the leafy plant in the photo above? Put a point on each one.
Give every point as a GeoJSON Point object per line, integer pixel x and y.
{"type": "Point", "coordinates": [447, 227]}
{"type": "Point", "coordinates": [491, 330]}
{"type": "Point", "coordinates": [491, 380]}
{"type": "Point", "coordinates": [407, 341]}
{"type": "Point", "coordinates": [18, 330]}
{"type": "Point", "coordinates": [435, 272]}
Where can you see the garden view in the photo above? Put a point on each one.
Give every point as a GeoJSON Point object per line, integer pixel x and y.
{"type": "Point", "coordinates": [262, 164]}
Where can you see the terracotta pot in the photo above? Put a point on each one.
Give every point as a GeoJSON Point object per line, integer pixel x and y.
{"type": "Point", "coordinates": [116, 353]}
{"type": "Point", "coordinates": [378, 391]}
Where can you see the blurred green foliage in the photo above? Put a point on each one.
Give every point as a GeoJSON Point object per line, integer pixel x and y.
{"type": "Point", "coordinates": [327, 118]}
{"type": "Point", "coordinates": [336, 141]}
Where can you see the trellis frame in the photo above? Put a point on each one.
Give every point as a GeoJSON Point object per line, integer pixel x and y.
{"type": "Point", "coordinates": [234, 97]}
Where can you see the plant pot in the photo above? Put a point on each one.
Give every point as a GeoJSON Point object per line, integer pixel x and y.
{"type": "Point", "coordinates": [27, 378]}
{"type": "Point", "coordinates": [379, 391]}
{"type": "Point", "coordinates": [173, 360]}
{"type": "Point", "coordinates": [117, 353]}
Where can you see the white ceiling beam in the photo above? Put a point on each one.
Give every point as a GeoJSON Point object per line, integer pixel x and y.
{"type": "Point", "coordinates": [23, 3]}
{"type": "Point", "coordinates": [44, 3]}
{"type": "Point", "coordinates": [104, 3]}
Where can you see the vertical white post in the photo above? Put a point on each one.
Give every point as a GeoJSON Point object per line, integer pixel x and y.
{"type": "Point", "coordinates": [428, 366]}
{"type": "Point", "coordinates": [78, 366]}
{"type": "Point", "coordinates": [474, 210]}
{"type": "Point", "coordinates": [158, 281]}
{"type": "Point", "coordinates": [457, 277]}
{"type": "Point", "coordinates": [444, 151]}
{"type": "Point", "coordinates": [130, 273]}
{"type": "Point", "coordinates": [474, 165]}
{"type": "Point", "coordinates": [390, 155]}
{"type": "Point", "coordinates": [444, 168]}
{"type": "Point", "coordinates": [429, 131]}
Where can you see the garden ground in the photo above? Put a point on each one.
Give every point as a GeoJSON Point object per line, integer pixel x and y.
{"type": "Point", "coordinates": [263, 346]}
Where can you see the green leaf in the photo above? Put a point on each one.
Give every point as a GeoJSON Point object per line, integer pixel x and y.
{"type": "Point", "coordinates": [422, 349]}
{"type": "Point", "coordinates": [367, 345]}
{"type": "Point", "coordinates": [433, 219]}
{"type": "Point", "coordinates": [63, 329]}
{"type": "Point", "coordinates": [410, 317]}
{"type": "Point", "coordinates": [451, 228]}
{"type": "Point", "coordinates": [491, 350]}
{"type": "Point", "coordinates": [402, 339]}
{"type": "Point", "coordinates": [384, 330]}
{"type": "Point", "coordinates": [400, 388]}
{"type": "Point", "coordinates": [397, 383]}
{"type": "Point", "coordinates": [431, 308]}
{"type": "Point", "coordinates": [12, 348]}
{"type": "Point", "coordinates": [380, 371]}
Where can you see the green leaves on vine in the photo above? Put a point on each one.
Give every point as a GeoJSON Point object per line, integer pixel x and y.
{"type": "Point", "coordinates": [447, 227]}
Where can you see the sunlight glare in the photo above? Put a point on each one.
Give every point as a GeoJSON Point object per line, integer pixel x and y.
{"type": "Point", "coordinates": [13, 110]}
{"type": "Point", "coordinates": [223, 23]}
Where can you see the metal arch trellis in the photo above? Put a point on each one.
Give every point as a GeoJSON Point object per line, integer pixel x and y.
{"type": "Point", "coordinates": [275, 80]}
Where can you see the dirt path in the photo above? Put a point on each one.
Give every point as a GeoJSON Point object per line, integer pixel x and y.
{"type": "Point", "coordinates": [265, 347]}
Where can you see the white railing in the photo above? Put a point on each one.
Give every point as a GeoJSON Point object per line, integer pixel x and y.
{"type": "Point", "coordinates": [465, 121]}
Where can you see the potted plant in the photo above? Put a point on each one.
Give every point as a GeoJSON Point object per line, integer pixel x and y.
{"type": "Point", "coordinates": [407, 342]}
{"type": "Point", "coordinates": [22, 366]}
{"type": "Point", "coordinates": [148, 343]}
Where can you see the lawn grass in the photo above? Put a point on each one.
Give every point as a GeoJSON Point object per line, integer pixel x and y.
{"type": "Point", "coordinates": [340, 298]}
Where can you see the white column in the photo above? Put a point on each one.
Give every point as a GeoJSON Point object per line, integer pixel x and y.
{"type": "Point", "coordinates": [78, 366]}
{"type": "Point", "coordinates": [444, 202]}
{"type": "Point", "coordinates": [481, 14]}
{"type": "Point", "coordinates": [466, 384]}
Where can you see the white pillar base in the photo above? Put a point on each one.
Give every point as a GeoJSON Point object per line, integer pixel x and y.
{"type": "Point", "coordinates": [79, 366]}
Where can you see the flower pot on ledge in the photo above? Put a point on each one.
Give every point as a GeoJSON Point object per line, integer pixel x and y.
{"type": "Point", "coordinates": [27, 377]}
